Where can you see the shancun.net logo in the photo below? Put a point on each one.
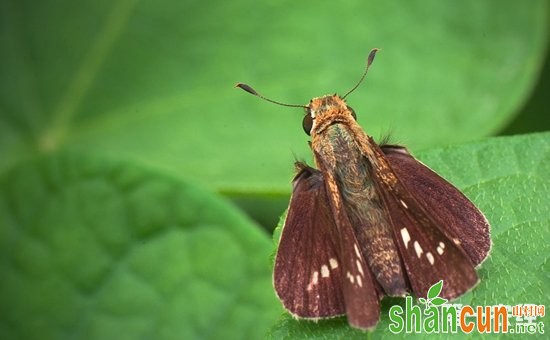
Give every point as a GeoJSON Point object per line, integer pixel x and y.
{"type": "Point", "coordinates": [439, 317]}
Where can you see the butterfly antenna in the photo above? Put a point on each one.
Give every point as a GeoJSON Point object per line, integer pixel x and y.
{"type": "Point", "coordinates": [252, 91]}
{"type": "Point", "coordinates": [370, 59]}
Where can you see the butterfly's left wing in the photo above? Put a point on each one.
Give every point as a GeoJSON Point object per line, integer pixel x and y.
{"type": "Point", "coordinates": [307, 275]}
{"type": "Point", "coordinates": [319, 270]}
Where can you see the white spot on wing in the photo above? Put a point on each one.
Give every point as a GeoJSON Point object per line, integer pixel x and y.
{"type": "Point", "coordinates": [405, 236]}
{"type": "Point", "coordinates": [418, 249]}
{"type": "Point", "coordinates": [359, 267]}
{"type": "Point", "coordinates": [456, 241]}
{"type": "Point", "coordinates": [357, 250]}
{"type": "Point", "coordinates": [404, 204]}
{"type": "Point", "coordinates": [333, 263]}
{"type": "Point", "coordinates": [314, 280]}
{"type": "Point", "coordinates": [359, 282]}
{"type": "Point", "coordinates": [324, 271]}
{"type": "Point", "coordinates": [440, 248]}
{"type": "Point", "coordinates": [430, 257]}
{"type": "Point", "coordinates": [350, 277]}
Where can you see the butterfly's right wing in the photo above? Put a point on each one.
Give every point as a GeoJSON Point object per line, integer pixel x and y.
{"type": "Point", "coordinates": [455, 212]}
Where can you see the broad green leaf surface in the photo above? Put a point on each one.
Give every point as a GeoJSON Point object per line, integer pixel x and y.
{"type": "Point", "coordinates": [152, 82]}
{"type": "Point", "coordinates": [95, 250]}
{"type": "Point", "coordinates": [509, 180]}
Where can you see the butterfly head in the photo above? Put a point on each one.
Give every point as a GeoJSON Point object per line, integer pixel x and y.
{"type": "Point", "coordinates": [321, 108]}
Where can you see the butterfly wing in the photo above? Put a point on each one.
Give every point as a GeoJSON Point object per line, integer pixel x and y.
{"type": "Point", "coordinates": [307, 275]}
{"type": "Point", "coordinates": [429, 250]}
{"type": "Point", "coordinates": [319, 271]}
{"type": "Point", "coordinates": [454, 211]}
{"type": "Point", "coordinates": [427, 254]}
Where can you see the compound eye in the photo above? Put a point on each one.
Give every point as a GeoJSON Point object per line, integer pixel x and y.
{"type": "Point", "coordinates": [307, 124]}
{"type": "Point", "coordinates": [352, 113]}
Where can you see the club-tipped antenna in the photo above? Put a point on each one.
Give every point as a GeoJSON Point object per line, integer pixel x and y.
{"type": "Point", "coordinates": [370, 59]}
{"type": "Point", "coordinates": [252, 91]}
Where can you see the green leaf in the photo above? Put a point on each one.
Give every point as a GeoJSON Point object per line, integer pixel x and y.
{"type": "Point", "coordinates": [105, 250]}
{"type": "Point", "coordinates": [152, 82]}
{"type": "Point", "coordinates": [508, 179]}
{"type": "Point", "coordinates": [438, 301]}
{"type": "Point", "coordinates": [422, 300]}
{"type": "Point", "coordinates": [435, 290]}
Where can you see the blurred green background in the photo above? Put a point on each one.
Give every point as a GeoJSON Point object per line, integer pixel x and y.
{"type": "Point", "coordinates": [138, 188]}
